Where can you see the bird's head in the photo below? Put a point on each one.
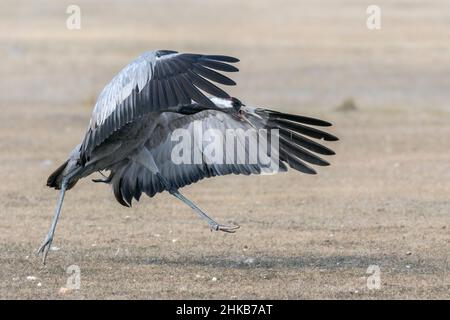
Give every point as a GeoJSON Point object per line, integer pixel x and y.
{"type": "Point", "coordinates": [231, 105]}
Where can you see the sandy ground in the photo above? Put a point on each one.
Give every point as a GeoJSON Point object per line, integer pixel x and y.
{"type": "Point", "coordinates": [384, 201]}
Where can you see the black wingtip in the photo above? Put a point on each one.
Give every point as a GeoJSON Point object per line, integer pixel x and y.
{"type": "Point", "coordinates": [118, 194]}
{"type": "Point", "coordinates": [54, 180]}
{"type": "Point", "coordinates": [161, 53]}
{"type": "Point", "coordinates": [309, 170]}
{"type": "Point", "coordinates": [222, 58]}
{"type": "Point", "coordinates": [302, 129]}
{"type": "Point", "coordinates": [298, 118]}
{"type": "Point", "coordinates": [331, 137]}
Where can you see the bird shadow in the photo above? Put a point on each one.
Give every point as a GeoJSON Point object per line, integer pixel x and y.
{"type": "Point", "coordinates": [333, 262]}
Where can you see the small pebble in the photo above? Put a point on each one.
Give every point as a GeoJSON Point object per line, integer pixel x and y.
{"type": "Point", "coordinates": [63, 290]}
{"type": "Point", "coordinates": [47, 162]}
{"type": "Point", "coordinates": [214, 279]}
{"type": "Point", "coordinates": [408, 253]}
{"type": "Point", "coordinates": [39, 284]}
{"type": "Point", "coordinates": [31, 278]}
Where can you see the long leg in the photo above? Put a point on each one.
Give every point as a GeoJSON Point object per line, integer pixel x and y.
{"type": "Point", "coordinates": [212, 223]}
{"type": "Point", "coordinates": [145, 158]}
{"type": "Point", "coordinates": [45, 247]}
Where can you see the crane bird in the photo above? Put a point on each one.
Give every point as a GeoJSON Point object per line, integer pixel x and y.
{"type": "Point", "coordinates": [132, 125]}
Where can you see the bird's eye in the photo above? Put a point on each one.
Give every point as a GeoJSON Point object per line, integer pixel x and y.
{"type": "Point", "coordinates": [237, 104]}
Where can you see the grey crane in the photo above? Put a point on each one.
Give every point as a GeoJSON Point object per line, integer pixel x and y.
{"type": "Point", "coordinates": [131, 132]}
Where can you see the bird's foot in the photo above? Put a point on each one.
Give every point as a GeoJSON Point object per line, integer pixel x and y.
{"type": "Point", "coordinates": [45, 247]}
{"type": "Point", "coordinates": [227, 229]}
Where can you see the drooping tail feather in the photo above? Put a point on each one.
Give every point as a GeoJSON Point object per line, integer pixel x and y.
{"type": "Point", "coordinates": [55, 179]}
{"type": "Point", "coordinates": [71, 167]}
{"type": "Point", "coordinates": [296, 148]}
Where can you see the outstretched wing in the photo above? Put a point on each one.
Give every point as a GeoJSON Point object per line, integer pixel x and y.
{"type": "Point", "coordinates": [155, 81]}
{"type": "Point", "coordinates": [289, 144]}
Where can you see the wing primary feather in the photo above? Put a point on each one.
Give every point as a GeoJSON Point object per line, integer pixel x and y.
{"type": "Point", "coordinates": [295, 163]}
{"type": "Point", "coordinates": [302, 129]}
{"type": "Point", "coordinates": [182, 97]}
{"type": "Point", "coordinates": [161, 53]}
{"type": "Point", "coordinates": [118, 194]}
{"type": "Point", "coordinates": [170, 93]}
{"type": "Point", "coordinates": [194, 93]}
{"type": "Point", "coordinates": [213, 75]}
{"type": "Point", "coordinates": [153, 93]}
{"type": "Point", "coordinates": [296, 118]}
{"type": "Point", "coordinates": [126, 193]}
{"type": "Point", "coordinates": [162, 95]}
{"type": "Point", "coordinates": [305, 142]}
{"type": "Point", "coordinates": [170, 67]}
{"type": "Point", "coordinates": [157, 72]}
{"type": "Point", "coordinates": [217, 65]}
{"type": "Point", "coordinates": [222, 58]}
{"type": "Point", "coordinates": [181, 65]}
{"type": "Point", "coordinates": [190, 56]}
{"type": "Point", "coordinates": [207, 86]}
{"type": "Point", "coordinates": [302, 153]}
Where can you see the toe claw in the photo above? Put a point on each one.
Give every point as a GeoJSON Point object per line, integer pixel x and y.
{"type": "Point", "coordinates": [227, 229]}
{"type": "Point", "coordinates": [43, 250]}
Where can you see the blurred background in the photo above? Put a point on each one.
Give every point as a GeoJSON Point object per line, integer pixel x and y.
{"type": "Point", "coordinates": [383, 201]}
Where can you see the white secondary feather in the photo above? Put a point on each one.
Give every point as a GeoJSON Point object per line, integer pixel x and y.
{"type": "Point", "coordinates": [136, 74]}
{"type": "Point", "coordinates": [222, 103]}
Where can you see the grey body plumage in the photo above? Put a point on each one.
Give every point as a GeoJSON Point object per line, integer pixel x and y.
{"type": "Point", "coordinates": [130, 131]}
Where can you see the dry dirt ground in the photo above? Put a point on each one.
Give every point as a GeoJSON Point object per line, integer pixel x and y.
{"type": "Point", "coordinates": [384, 200]}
